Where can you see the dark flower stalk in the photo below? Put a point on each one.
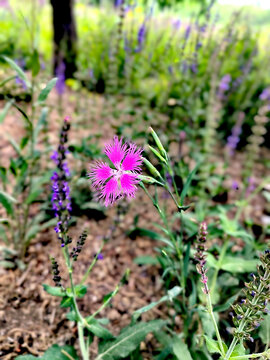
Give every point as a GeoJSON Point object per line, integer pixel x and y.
{"type": "Point", "coordinates": [200, 256]}
{"type": "Point", "coordinates": [56, 273]}
{"type": "Point", "coordinates": [78, 248]}
{"type": "Point", "coordinates": [248, 314]}
{"type": "Point", "coordinates": [61, 203]}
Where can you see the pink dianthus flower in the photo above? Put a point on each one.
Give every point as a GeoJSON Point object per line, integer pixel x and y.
{"type": "Point", "coordinates": [115, 183]}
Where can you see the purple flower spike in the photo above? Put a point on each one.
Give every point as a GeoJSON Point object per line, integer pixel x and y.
{"type": "Point", "coordinates": [141, 37]}
{"type": "Point", "coordinates": [187, 32]}
{"type": "Point", "coordinates": [265, 95]}
{"type": "Point", "coordinates": [115, 183]}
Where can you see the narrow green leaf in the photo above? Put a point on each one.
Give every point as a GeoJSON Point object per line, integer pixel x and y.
{"type": "Point", "coordinates": [187, 183]}
{"type": "Point", "coordinates": [3, 174]}
{"type": "Point", "coordinates": [53, 290]}
{"type": "Point", "coordinates": [24, 142]}
{"type": "Point", "coordinates": [128, 340]}
{"type": "Point", "coordinates": [3, 234]}
{"type": "Point", "coordinates": [26, 357]}
{"type": "Point", "coordinates": [32, 232]}
{"type": "Point", "coordinates": [10, 78]}
{"type": "Point", "coordinates": [33, 196]}
{"type": "Point", "coordinates": [41, 123]}
{"type": "Point", "coordinates": [25, 116]}
{"type": "Point", "coordinates": [99, 330]}
{"type": "Point", "coordinates": [18, 70]}
{"type": "Point", "coordinates": [146, 260]}
{"type": "Point", "coordinates": [66, 302]}
{"type": "Point", "coordinates": [45, 92]}
{"type": "Point", "coordinates": [4, 111]}
{"type": "Point", "coordinates": [172, 293]}
{"type": "Point", "coordinates": [180, 349]}
{"type": "Point", "coordinates": [145, 232]}
{"type": "Point", "coordinates": [14, 144]}
{"type": "Point", "coordinates": [48, 224]}
{"type": "Point", "coordinates": [7, 201]}
{"type": "Point", "coordinates": [186, 260]}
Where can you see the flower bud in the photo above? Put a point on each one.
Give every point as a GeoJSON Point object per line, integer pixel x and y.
{"type": "Point", "coordinates": [158, 143]}
{"type": "Point", "coordinates": [151, 168]}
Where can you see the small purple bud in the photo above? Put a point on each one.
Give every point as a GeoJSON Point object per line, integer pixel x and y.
{"type": "Point", "coordinates": [253, 293]}
{"type": "Point", "coordinates": [235, 185]}
{"type": "Point", "coordinates": [100, 256]}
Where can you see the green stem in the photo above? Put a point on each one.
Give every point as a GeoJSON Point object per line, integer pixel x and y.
{"type": "Point", "coordinates": [83, 348]}
{"type": "Point", "coordinates": [91, 265]}
{"type": "Point", "coordinates": [81, 320]}
{"type": "Point", "coordinates": [103, 305]}
{"type": "Point", "coordinates": [210, 310]}
{"type": "Point", "coordinates": [167, 187]}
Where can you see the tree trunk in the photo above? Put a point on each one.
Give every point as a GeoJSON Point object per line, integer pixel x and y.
{"type": "Point", "coordinates": [65, 38]}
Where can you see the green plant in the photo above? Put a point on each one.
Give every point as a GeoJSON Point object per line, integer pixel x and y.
{"type": "Point", "coordinates": [22, 172]}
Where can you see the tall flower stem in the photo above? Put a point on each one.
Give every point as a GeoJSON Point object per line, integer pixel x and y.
{"type": "Point", "coordinates": [210, 311]}
{"type": "Point", "coordinates": [81, 322]}
{"type": "Point", "coordinates": [83, 347]}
